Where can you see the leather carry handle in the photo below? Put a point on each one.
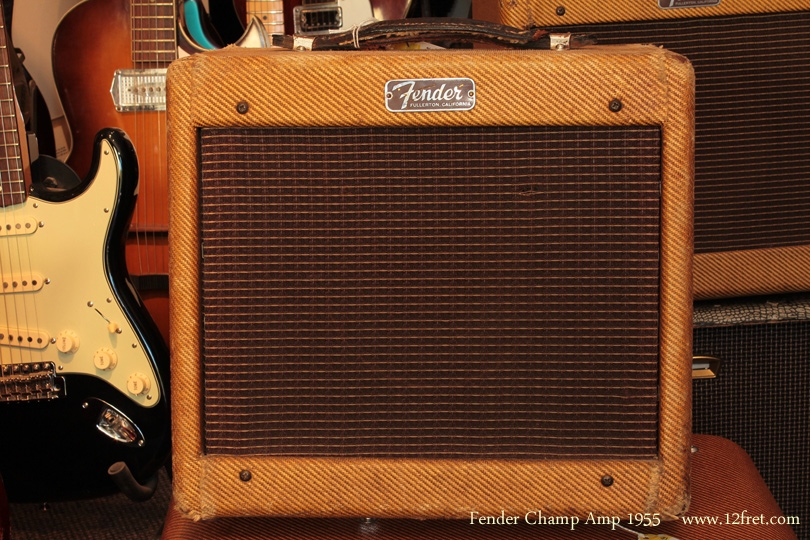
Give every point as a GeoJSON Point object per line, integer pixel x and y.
{"type": "Point", "coordinates": [378, 34]}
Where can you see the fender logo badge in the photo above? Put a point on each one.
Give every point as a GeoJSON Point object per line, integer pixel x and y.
{"type": "Point", "coordinates": [429, 95]}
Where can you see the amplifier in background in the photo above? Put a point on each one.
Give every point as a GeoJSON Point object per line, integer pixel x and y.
{"type": "Point", "coordinates": [752, 175]}
{"type": "Point", "coordinates": [430, 283]}
{"type": "Point", "coordinates": [761, 397]}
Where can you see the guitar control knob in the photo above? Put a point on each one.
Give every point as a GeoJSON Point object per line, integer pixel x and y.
{"type": "Point", "coordinates": [67, 341]}
{"type": "Point", "coordinates": [105, 358]}
{"type": "Point", "coordinates": [138, 384]}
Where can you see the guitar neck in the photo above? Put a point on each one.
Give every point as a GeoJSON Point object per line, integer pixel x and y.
{"type": "Point", "coordinates": [154, 34]}
{"type": "Point", "coordinates": [269, 12]}
{"type": "Point", "coordinates": [12, 175]}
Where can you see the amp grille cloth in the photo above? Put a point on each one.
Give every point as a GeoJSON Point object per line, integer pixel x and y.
{"type": "Point", "coordinates": [761, 399]}
{"type": "Point", "coordinates": [433, 292]}
{"type": "Point", "coordinates": [752, 123]}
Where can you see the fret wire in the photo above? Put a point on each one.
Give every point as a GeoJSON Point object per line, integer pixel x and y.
{"type": "Point", "coordinates": [12, 179]}
{"type": "Point", "coordinates": [153, 41]}
{"type": "Point", "coordinates": [158, 20]}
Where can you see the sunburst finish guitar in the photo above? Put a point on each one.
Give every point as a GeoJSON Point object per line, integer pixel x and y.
{"type": "Point", "coordinates": [82, 366]}
{"type": "Point", "coordinates": [109, 62]}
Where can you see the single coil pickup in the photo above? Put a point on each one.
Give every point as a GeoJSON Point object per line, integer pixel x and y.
{"type": "Point", "coordinates": [17, 225]}
{"type": "Point", "coordinates": [30, 382]}
{"type": "Point", "coordinates": [28, 339]}
{"type": "Point", "coordinates": [21, 283]}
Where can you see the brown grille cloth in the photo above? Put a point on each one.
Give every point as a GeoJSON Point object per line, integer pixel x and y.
{"type": "Point", "coordinates": [752, 123]}
{"type": "Point", "coordinates": [440, 292]}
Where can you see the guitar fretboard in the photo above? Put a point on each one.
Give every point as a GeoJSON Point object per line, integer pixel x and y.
{"type": "Point", "coordinates": [270, 12]}
{"type": "Point", "coordinates": [154, 37]}
{"type": "Point", "coordinates": [12, 181]}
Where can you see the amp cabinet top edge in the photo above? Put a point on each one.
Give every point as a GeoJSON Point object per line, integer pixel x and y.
{"type": "Point", "coordinates": [236, 86]}
{"type": "Point", "coordinates": [547, 13]}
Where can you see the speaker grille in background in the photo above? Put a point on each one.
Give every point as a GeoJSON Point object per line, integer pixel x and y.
{"type": "Point", "coordinates": [431, 292]}
{"type": "Point", "coordinates": [752, 167]}
{"type": "Point", "coordinates": [761, 400]}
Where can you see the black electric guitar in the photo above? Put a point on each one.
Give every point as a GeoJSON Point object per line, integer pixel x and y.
{"type": "Point", "coordinates": [84, 408]}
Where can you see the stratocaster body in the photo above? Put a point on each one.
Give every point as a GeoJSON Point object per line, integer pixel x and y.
{"type": "Point", "coordinates": [126, 44]}
{"type": "Point", "coordinates": [83, 367]}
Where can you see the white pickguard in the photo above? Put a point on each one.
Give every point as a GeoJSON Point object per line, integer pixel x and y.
{"type": "Point", "coordinates": [76, 298]}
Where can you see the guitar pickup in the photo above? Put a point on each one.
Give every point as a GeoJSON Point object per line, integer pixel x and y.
{"type": "Point", "coordinates": [139, 90]}
{"type": "Point", "coordinates": [16, 227]}
{"type": "Point", "coordinates": [21, 283]}
{"type": "Point", "coordinates": [318, 19]}
{"type": "Point", "coordinates": [27, 339]}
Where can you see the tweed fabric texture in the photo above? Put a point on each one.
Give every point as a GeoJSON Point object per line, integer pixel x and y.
{"type": "Point", "coordinates": [725, 480]}
{"type": "Point", "coordinates": [544, 13]}
{"type": "Point", "coordinates": [755, 272]}
{"type": "Point", "coordinates": [513, 88]}
{"type": "Point", "coordinates": [751, 194]}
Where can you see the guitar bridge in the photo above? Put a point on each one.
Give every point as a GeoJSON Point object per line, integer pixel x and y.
{"type": "Point", "coordinates": [34, 381]}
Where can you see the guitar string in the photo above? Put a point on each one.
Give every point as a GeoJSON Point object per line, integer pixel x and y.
{"type": "Point", "coordinates": [150, 46]}
{"type": "Point", "coordinates": [15, 176]}
{"type": "Point", "coordinates": [152, 128]}
{"type": "Point", "coordinates": [134, 232]}
{"type": "Point", "coordinates": [6, 183]}
{"type": "Point", "coordinates": [167, 46]}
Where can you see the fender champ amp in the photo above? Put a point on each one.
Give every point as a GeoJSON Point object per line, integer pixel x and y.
{"type": "Point", "coordinates": [431, 284]}
{"type": "Point", "coordinates": [752, 178]}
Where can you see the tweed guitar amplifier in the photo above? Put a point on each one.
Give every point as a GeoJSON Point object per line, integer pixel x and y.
{"type": "Point", "coordinates": [752, 68]}
{"type": "Point", "coordinates": [431, 284]}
